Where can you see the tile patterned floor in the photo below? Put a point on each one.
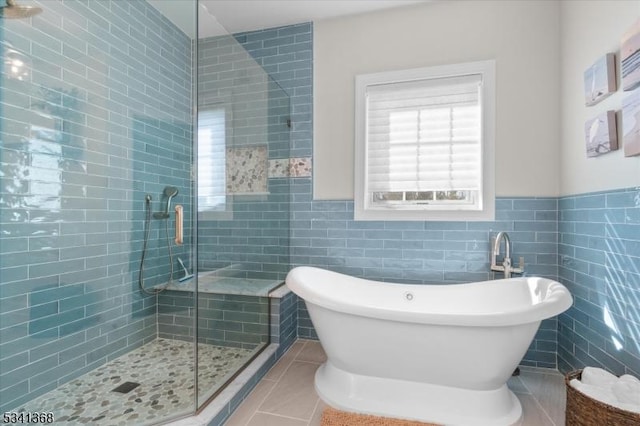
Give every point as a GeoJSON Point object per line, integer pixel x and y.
{"type": "Point", "coordinates": [164, 369]}
{"type": "Point", "coordinates": [286, 396]}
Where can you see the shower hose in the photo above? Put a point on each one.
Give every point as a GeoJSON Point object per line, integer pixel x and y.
{"type": "Point", "coordinates": [147, 229]}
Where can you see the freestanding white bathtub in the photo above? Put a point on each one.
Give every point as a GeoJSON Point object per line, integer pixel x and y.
{"type": "Point", "coordinates": [433, 353]}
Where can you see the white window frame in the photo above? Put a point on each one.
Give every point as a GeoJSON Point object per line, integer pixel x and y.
{"type": "Point", "coordinates": [438, 211]}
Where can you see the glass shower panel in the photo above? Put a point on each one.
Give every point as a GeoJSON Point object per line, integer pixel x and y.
{"type": "Point", "coordinates": [243, 213]}
{"type": "Point", "coordinates": [243, 161]}
{"type": "Point", "coordinates": [96, 130]}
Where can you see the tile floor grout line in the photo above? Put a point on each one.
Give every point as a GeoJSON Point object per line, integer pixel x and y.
{"type": "Point", "coordinates": [290, 362]}
{"type": "Point", "coordinates": [248, 422]}
{"type": "Point", "coordinates": [258, 404]}
{"type": "Point", "coordinates": [528, 391]}
{"type": "Point", "coordinates": [541, 408]}
{"type": "Point", "coordinates": [285, 368]}
{"type": "Point", "coordinates": [300, 419]}
{"type": "Point", "coordinates": [270, 391]}
{"type": "Point", "coordinates": [308, 362]}
{"type": "Point", "coordinates": [524, 383]}
{"type": "Point", "coordinates": [264, 398]}
{"type": "Point", "coordinates": [536, 398]}
{"type": "Point", "coordinates": [277, 381]}
{"type": "Point", "coordinates": [314, 411]}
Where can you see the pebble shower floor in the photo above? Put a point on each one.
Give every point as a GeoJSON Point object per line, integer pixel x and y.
{"type": "Point", "coordinates": [164, 369]}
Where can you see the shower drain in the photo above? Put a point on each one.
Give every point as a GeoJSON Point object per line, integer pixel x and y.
{"type": "Point", "coordinates": [126, 387]}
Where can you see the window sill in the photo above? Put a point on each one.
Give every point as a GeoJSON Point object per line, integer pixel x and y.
{"type": "Point", "coordinates": [488, 214]}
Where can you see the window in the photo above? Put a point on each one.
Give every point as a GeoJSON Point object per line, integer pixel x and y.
{"type": "Point", "coordinates": [212, 198]}
{"type": "Point", "coordinates": [424, 144]}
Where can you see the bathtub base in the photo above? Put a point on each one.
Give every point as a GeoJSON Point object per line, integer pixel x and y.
{"type": "Point", "coordinates": [416, 401]}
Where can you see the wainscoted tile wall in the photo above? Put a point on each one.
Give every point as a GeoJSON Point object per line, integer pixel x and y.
{"type": "Point", "coordinates": [102, 119]}
{"type": "Point", "coordinates": [599, 252]}
{"type": "Point", "coordinates": [324, 234]}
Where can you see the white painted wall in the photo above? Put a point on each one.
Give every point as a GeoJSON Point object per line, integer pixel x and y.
{"type": "Point", "coordinates": [589, 30]}
{"type": "Point", "coordinates": [522, 36]}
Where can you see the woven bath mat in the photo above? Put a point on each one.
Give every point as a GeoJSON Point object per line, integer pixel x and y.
{"type": "Point", "coordinates": [333, 417]}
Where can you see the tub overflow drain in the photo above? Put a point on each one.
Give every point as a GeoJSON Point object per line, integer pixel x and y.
{"type": "Point", "coordinates": [408, 296]}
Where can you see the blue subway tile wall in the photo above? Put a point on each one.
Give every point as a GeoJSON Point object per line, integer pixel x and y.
{"type": "Point", "coordinates": [92, 122]}
{"type": "Point", "coordinates": [255, 242]}
{"type": "Point", "coordinates": [252, 239]}
{"type": "Point", "coordinates": [599, 248]}
{"type": "Point", "coordinates": [428, 252]}
{"type": "Point", "coordinates": [223, 319]}
{"type": "Point", "coordinates": [324, 234]}
{"type": "Point", "coordinates": [285, 53]}
{"type": "Point", "coordinates": [284, 320]}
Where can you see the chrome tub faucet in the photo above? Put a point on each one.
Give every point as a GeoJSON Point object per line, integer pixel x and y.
{"type": "Point", "coordinates": [506, 265]}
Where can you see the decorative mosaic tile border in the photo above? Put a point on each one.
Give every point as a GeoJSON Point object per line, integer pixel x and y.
{"type": "Point", "coordinates": [300, 167]}
{"type": "Point", "coordinates": [290, 167]}
{"type": "Point", "coordinates": [248, 169]}
{"type": "Point", "coordinates": [279, 168]}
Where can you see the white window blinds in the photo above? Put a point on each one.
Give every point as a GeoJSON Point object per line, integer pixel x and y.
{"type": "Point", "coordinates": [424, 136]}
{"type": "Point", "coordinates": [211, 160]}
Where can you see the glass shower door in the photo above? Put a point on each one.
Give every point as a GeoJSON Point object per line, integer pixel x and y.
{"type": "Point", "coordinates": [243, 207]}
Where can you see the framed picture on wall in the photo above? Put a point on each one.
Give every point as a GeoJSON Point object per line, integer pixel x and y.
{"type": "Point", "coordinates": [630, 57]}
{"type": "Point", "coordinates": [600, 80]}
{"type": "Point", "coordinates": [600, 134]}
{"type": "Point", "coordinates": [631, 124]}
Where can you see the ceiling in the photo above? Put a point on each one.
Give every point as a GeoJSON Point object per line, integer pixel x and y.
{"type": "Point", "coordinates": [217, 17]}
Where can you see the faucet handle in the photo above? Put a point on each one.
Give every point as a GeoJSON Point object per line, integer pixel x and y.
{"type": "Point", "coordinates": [520, 268]}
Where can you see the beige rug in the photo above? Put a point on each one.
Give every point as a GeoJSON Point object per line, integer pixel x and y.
{"type": "Point", "coordinates": [333, 417]}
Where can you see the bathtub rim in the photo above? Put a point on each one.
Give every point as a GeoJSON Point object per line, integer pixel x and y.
{"type": "Point", "coordinates": [558, 300]}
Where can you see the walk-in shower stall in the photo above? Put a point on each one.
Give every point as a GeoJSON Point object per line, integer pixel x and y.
{"type": "Point", "coordinates": [144, 209]}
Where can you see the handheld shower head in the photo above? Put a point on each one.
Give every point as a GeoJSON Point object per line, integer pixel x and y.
{"type": "Point", "coordinates": [169, 192]}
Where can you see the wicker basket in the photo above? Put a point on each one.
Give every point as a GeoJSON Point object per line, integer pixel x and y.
{"type": "Point", "coordinates": [585, 411]}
